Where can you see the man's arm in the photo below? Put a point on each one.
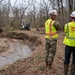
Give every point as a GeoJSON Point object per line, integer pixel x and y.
{"type": "Point", "coordinates": [57, 25]}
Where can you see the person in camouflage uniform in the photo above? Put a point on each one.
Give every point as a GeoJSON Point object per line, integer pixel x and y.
{"type": "Point", "coordinates": [51, 27]}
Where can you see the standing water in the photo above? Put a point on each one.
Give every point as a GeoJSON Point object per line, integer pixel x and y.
{"type": "Point", "coordinates": [20, 51]}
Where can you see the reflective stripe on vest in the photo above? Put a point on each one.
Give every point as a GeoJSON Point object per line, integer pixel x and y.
{"type": "Point", "coordinates": [51, 34]}
{"type": "Point", "coordinates": [68, 34]}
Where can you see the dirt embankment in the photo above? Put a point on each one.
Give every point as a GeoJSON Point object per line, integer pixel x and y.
{"type": "Point", "coordinates": [35, 64]}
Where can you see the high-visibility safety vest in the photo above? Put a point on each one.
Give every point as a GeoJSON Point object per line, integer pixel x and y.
{"type": "Point", "coordinates": [69, 30]}
{"type": "Point", "coordinates": [50, 29]}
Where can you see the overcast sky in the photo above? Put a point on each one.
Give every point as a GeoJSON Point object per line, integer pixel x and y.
{"type": "Point", "coordinates": [14, 1]}
{"type": "Point", "coordinates": [20, 1]}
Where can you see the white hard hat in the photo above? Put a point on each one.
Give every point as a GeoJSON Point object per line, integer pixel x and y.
{"type": "Point", "coordinates": [73, 14]}
{"type": "Point", "coordinates": [53, 12]}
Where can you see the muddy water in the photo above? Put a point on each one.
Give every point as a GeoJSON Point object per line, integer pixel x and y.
{"type": "Point", "coordinates": [20, 51]}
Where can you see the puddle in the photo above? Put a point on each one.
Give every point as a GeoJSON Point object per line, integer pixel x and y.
{"type": "Point", "coordinates": [20, 51]}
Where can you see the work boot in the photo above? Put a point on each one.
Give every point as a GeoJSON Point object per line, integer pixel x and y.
{"type": "Point", "coordinates": [46, 64]}
{"type": "Point", "coordinates": [50, 66]}
{"type": "Point", "coordinates": [65, 69]}
{"type": "Point", "coordinates": [72, 70]}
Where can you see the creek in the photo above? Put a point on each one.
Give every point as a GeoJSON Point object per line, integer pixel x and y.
{"type": "Point", "coordinates": [21, 50]}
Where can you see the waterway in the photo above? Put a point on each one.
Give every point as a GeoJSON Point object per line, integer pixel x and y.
{"type": "Point", "coordinates": [21, 50]}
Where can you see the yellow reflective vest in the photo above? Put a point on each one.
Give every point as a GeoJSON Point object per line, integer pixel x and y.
{"type": "Point", "coordinates": [50, 29]}
{"type": "Point", "coordinates": [69, 30]}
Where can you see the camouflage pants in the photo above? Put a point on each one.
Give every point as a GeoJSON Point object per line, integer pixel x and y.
{"type": "Point", "coordinates": [50, 46]}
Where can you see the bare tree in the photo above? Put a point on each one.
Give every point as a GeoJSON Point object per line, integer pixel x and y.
{"type": "Point", "coordinates": [46, 5]}
{"type": "Point", "coordinates": [18, 12]}
{"type": "Point", "coordinates": [1, 1]}
{"type": "Point", "coordinates": [13, 14]}
{"type": "Point", "coordinates": [73, 4]}
{"type": "Point", "coordinates": [70, 2]}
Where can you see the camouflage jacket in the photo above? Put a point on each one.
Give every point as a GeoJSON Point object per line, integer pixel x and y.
{"type": "Point", "coordinates": [57, 25]}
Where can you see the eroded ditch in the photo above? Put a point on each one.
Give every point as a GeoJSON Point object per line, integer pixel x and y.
{"type": "Point", "coordinates": [20, 47]}
{"type": "Point", "coordinates": [17, 50]}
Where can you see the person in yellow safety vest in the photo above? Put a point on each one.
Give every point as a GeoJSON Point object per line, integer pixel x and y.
{"type": "Point", "coordinates": [69, 41]}
{"type": "Point", "coordinates": [51, 27]}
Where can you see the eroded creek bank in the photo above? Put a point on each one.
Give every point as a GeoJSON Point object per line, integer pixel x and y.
{"type": "Point", "coordinates": [16, 46]}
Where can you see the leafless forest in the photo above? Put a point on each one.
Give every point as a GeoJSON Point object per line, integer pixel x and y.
{"type": "Point", "coordinates": [33, 11]}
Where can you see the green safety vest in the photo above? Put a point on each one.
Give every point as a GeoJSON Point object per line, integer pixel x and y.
{"type": "Point", "coordinates": [50, 29]}
{"type": "Point", "coordinates": [69, 30]}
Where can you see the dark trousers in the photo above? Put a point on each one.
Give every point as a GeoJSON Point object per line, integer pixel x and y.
{"type": "Point", "coordinates": [68, 51]}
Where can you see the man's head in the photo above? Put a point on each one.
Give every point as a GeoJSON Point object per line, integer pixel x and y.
{"type": "Point", "coordinates": [73, 15]}
{"type": "Point", "coordinates": [53, 14]}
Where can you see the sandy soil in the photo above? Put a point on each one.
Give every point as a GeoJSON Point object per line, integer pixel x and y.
{"type": "Point", "coordinates": [5, 47]}
{"type": "Point", "coordinates": [35, 64]}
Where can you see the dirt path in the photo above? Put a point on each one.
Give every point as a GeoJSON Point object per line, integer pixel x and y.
{"type": "Point", "coordinates": [35, 64]}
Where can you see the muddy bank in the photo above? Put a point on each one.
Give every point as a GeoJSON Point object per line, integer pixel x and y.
{"type": "Point", "coordinates": [31, 40]}
{"type": "Point", "coordinates": [3, 46]}
{"type": "Point", "coordinates": [34, 42]}
{"type": "Point", "coordinates": [35, 64]}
